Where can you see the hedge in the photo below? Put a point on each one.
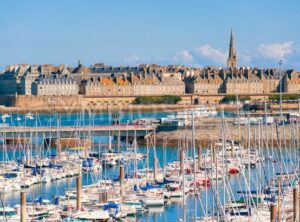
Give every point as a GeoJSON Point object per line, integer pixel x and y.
{"type": "Point", "coordinates": [232, 98]}
{"type": "Point", "coordinates": [284, 97]}
{"type": "Point", "coordinates": [168, 99]}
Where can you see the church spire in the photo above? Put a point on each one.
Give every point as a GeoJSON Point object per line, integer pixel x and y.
{"type": "Point", "coordinates": [232, 59]}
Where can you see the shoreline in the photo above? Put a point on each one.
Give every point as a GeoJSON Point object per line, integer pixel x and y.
{"type": "Point", "coordinates": [205, 144]}
{"type": "Point", "coordinates": [102, 109]}
{"type": "Point", "coordinates": [209, 130]}
{"type": "Point", "coordinates": [130, 108]}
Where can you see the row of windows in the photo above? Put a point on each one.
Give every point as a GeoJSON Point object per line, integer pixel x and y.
{"type": "Point", "coordinates": [143, 89]}
{"type": "Point", "coordinates": [60, 88]}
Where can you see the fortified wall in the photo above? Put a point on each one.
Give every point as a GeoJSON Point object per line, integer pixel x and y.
{"type": "Point", "coordinates": [75, 102]}
{"type": "Point", "coordinates": [79, 102]}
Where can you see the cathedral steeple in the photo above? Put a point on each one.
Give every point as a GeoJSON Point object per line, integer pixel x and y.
{"type": "Point", "coordinates": [232, 59]}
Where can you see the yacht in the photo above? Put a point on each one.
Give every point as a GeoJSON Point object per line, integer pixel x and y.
{"type": "Point", "coordinates": [184, 118]}
{"type": "Point", "coordinates": [200, 112]}
{"type": "Point", "coordinates": [92, 215]}
{"type": "Point", "coordinates": [9, 214]}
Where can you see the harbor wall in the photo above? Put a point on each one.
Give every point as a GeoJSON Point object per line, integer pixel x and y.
{"type": "Point", "coordinates": [79, 102]}
{"type": "Point", "coordinates": [207, 130]}
{"type": "Point", "coordinates": [215, 99]}
{"type": "Point", "coordinates": [51, 102]}
{"type": "Point", "coordinates": [17, 103]}
{"type": "Point", "coordinates": [92, 101]}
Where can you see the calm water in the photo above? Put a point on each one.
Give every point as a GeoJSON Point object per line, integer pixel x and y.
{"type": "Point", "coordinates": [81, 119]}
{"type": "Point", "coordinates": [173, 211]}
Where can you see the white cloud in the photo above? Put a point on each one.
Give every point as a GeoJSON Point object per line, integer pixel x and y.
{"type": "Point", "coordinates": [244, 58]}
{"type": "Point", "coordinates": [263, 55]}
{"type": "Point", "coordinates": [183, 56]}
{"type": "Point", "coordinates": [211, 53]}
{"type": "Point", "coordinates": [276, 51]}
{"type": "Point", "coordinates": [132, 58]}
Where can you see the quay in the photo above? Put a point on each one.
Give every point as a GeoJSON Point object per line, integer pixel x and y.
{"type": "Point", "coordinates": [65, 131]}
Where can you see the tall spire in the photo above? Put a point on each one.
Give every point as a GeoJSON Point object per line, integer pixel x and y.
{"type": "Point", "coordinates": [231, 45]}
{"type": "Point", "coordinates": [232, 58]}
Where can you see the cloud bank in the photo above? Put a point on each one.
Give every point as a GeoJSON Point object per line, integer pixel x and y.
{"type": "Point", "coordinates": [184, 57]}
{"type": "Point", "coordinates": [264, 55]}
{"type": "Point", "coordinates": [208, 52]}
{"type": "Point", "coordinates": [276, 51]}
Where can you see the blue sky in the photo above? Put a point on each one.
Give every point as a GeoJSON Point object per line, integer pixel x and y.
{"type": "Point", "coordinates": [158, 31]}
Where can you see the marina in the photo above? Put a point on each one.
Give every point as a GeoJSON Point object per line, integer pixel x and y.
{"type": "Point", "coordinates": [136, 111]}
{"type": "Point", "coordinates": [115, 177]}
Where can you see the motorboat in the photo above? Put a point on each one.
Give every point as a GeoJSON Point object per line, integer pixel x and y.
{"type": "Point", "coordinates": [9, 214]}
{"type": "Point", "coordinates": [174, 190]}
{"type": "Point", "coordinates": [92, 215]}
{"type": "Point", "coordinates": [200, 112]}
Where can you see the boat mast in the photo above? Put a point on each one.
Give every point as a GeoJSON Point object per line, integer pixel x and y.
{"type": "Point", "coordinates": [194, 164]}
{"type": "Point", "coordinates": [249, 166]}
{"type": "Point", "coordinates": [206, 185]}
{"type": "Point", "coordinates": [211, 175]}
{"type": "Point", "coordinates": [135, 160]}
{"type": "Point", "coordinates": [224, 155]}
{"type": "Point", "coordinates": [181, 149]}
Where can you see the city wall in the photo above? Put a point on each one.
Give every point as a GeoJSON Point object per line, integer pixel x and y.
{"type": "Point", "coordinates": [76, 103]}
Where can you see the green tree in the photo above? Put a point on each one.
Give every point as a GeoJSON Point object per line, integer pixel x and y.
{"type": "Point", "coordinates": [284, 97]}
{"type": "Point", "coordinates": [232, 98]}
{"type": "Point", "coordinates": [167, 99]}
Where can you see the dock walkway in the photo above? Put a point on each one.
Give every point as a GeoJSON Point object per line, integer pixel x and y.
{"type": "Point", "coordinates": [95, 129]}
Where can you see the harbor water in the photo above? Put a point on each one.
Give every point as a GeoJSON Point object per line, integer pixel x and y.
{"type": "Point", "coordinates": [174, 209]}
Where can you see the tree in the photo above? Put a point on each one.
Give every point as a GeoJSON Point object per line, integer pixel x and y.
{"type": "Point", "coordinates": [167, 99]}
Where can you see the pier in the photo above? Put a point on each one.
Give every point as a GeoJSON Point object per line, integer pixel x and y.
{"type": "Point", "coordinates": [67, 131]}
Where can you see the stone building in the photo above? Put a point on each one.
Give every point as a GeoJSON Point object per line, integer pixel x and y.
{"type": "Point", "coordinates": [101, 68]}
{"type": "Point", "coordinates": [18, 79]}
{"type": "Point", "coordinates": [206, 82]}
{"type": "Point", "coordinates": [292, 82]}
{"type": "Point", "coordinates": [152, 84]}
{"type": "Point", "coordinates": [56, 85]}
{"type": "Point", "coordinates": [271, 81]}
{"type": "Point", "coordinates": [243, 81]}
{"type": "Point", "coordinates": [141, 84]}
{"type": "Point", "coordinates": [27, 79]}
{"type": "Point", "coordinates": [145, 80]}
{"type": "Point", "coordinates": [10, 79]}
{"type": "Point", "coordinates": [81, 69]}
{"type": "Point", "coordinates": [108, 86]}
